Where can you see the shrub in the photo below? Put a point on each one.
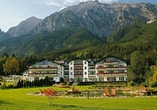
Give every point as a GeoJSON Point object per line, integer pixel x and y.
{"type": "Point", "coordinates": [50, 93]}
{"type": "Point", "coordinates": [131, 83]}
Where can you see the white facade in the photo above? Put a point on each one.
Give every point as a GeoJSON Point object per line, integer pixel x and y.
{"type": "Point", "coordinates": [92, 76]}
{"type": "Point", "coordinates": [78, 70]}
{"type": "Point", "coordinates": [46, 68]}
{"type": "Point", "coordinates": [108, 69]}
{"type": "Point", "coordinates": [111, 69]}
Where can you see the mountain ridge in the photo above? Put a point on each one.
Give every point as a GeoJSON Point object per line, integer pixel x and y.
{"type": "Point", "coordinates": [24, 27]}
{"type": "Point", "coordinates": [66, 29]}
{"type": "Point", "coordinates": [101, 19]}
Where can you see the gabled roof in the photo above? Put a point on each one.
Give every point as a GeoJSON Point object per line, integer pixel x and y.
{"type": "Point", "coordinates": [44, 60]}
{"type": "Point", "coordinates": [113, 57]}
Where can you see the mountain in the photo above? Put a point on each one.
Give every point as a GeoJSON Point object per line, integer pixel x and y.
{"type": "Point", "coordinates": [84, 26]}
{"type": "Point", "coordinates": [24, 27]}
{"type": "Point", "coordinates": [47, 41]}
{"type": "Point", "coordinates": [100, 19]}
{"type": "Point", "coordinates": [4, 36]}
{"type": "Point", "coordinates": [136, 32]}
{"type": "Point", "coordinates": [140, 38]}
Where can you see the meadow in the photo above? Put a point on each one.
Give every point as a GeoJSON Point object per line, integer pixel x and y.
{"type": "Point", "coordinates": [17, 99]}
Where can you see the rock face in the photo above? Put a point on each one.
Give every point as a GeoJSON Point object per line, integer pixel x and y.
{"type": "Point", "coordinates": [100, 19]}
{"type": "Point", "coordinates": [4, 36]}
{"type": "Point", "coordinates": [24, 27]}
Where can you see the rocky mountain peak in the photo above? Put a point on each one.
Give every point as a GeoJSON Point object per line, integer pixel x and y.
{"type": "Point", "coordinates": [24, 27]}
{"type": "Point", "coordinates": [100, 19]}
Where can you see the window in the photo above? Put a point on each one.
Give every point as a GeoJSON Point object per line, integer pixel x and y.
{"type": "Point", "coordinates": [111, 78]}
{"type": "Point", "coordinates": [71, 68]}
{"type": "Point", "coordinates": [121, 78]}
{"type": "Point", "coordinates": [71, 73]}
{"type": "Point", "coordinates": [85, 73]}
{"type": "Point", "coordinates": [85, 67]}
{"type": "Point", "coordinates": [101, 79]}
{"type": "Point", "coordinates": [86, 80]}
{"type": "Point", "coordinates": [85, 62]}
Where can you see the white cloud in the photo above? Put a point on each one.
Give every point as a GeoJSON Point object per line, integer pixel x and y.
{"type": "Point", "coordinates": [62, 3]}
{"type": "Point", "coordinates": [53, 2]}
{"type": "Point", "coordinates": [107, 1]}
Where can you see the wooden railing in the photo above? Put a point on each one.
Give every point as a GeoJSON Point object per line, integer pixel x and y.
{"type": "Point", "coordinates": [42, 73]}
{"type": "Point", "coordinates": [101, 67]}
{"type": "Point", "coordinates": [43, 67]}
{"type": "Point", "coordinates": [112, 73]}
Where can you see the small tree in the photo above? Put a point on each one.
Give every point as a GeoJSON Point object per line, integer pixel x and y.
{"type": "Point", "coordinates": [11, 66]}
{"type": "Point", "coordinates": [50, 93]}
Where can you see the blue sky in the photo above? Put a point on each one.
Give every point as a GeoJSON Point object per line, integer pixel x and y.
{"type": "Point", "coordinates": [12, 12]}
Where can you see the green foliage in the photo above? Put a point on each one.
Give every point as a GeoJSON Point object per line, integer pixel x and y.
{"type": "Point", "coordinates": [136, 43]}
{"type": "Point", "coordinates": [48, 41]}
{"type": "Point", "coordinates": [15, 65]}
{"type": "Point", "coordinates": [131, 83]}
{"type": "Point", "coordinates": [11, 66]}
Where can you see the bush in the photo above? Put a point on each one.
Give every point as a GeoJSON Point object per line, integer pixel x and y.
{"type": "Point", "coordinates": [144, 84]}
{"type": "Point", "coordinates": [131, 83]}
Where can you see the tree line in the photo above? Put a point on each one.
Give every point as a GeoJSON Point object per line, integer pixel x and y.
{"type": "Point", "coordinates": [12, 65]}
{"type": "Point", "coordinates": [26, 83]}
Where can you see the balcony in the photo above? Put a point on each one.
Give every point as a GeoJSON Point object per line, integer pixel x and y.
{"type": "Point", "coordinates": [66, 74]}
{"type": "Point", "coordinates": [111, 68]}
{"type": "Point", "coordinates": [91, 67]}
{"type": "Point", "coordinates": [78, 64]}
{"type": "Point", "coordinates": [91, 75]}
{"type": "Point", "coordinates": [78, 69]}
{"type": "Point", "coordinates": [43, 68]}
{"type": "Point", "coordinates": [111, 62]}
{"type": "Point", "coordinates": [42, 73]}
{"type": "Point", "coordinates": [112, 73]}
{"type": "Point", "coordinates": [66, 69]}
{"type": "Point", "coordinates": [100, 68]}
{"type": "Point", "coordinates": [78, 75]}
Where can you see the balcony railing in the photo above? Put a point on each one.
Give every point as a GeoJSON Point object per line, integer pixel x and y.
{"type": "Point", "coordinates": [111, 62]}
{"type": "Point", "coordinates": [42, 73]}
{"type": "Point", "coordinates": [78, 65]}
{"type": "Point", "coordinates": [78, 74]}
{"type": "Point", "coordinates": [43, 67]}
{"type": "Point", "coordinates": [78, 69]}
{"type": "Point", "coordinates": [66, 69]}
{"type": "Point", "coordinates": [116, 67]}
{"type": "Point", "coordinates": [112, 73]}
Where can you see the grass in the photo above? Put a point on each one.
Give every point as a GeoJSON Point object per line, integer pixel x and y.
{"type": "Point", "coordinates": [17, 99]}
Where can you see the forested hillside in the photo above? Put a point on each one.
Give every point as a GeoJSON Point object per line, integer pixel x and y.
{"type": "Point", "coordinates": [47, 41]}
{"type": "Point", "coordinates": [135, 43]}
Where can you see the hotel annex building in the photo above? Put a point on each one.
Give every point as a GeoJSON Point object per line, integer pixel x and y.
{"type": "Point", "coordinates": [108, 69]}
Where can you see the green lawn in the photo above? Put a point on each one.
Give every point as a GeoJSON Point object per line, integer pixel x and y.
{"type": "Point", "coordinates": [17, 99]}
